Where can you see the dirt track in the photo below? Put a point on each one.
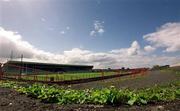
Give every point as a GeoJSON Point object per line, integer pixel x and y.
{"type": "Point", "coordinates": [147, 80]}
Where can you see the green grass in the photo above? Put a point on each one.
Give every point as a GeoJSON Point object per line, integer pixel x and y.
{"type": "Point", "coordinates": [66, 76]}
{"type": "Point", "coordinates": [73, 76]}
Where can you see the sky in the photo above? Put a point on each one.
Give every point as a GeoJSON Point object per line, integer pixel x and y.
{"type": "Point", "coordinates": [103, 33]}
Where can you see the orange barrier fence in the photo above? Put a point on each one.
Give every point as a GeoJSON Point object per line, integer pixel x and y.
{"type": "Point", "coordinates": [33, 74]}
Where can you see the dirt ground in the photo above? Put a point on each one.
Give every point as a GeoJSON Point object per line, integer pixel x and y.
{"type": "Point", "coordinates": [140, 81]}
{"type": "Point", "coordinates": [10, 100]}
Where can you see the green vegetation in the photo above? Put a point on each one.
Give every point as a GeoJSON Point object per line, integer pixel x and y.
{"type": "Point", "coordinates": [111, 96]}
{"type": "Point", "coordinates": [66, 76]}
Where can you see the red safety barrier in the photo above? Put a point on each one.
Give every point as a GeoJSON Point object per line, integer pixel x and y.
{"type": "Point", "coordinates": [34, 74]}
{"type": "Point", "coordinates": [1, 72]}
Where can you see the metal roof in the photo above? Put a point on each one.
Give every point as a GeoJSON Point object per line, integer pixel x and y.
{"type": "Point", "coordinates": [52, 64]}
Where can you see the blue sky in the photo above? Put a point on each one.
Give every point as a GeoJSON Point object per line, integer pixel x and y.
{"type": "Point", "coordinates": [99, 26]}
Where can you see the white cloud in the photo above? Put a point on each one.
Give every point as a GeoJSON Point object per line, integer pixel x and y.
{"type": "Point", "coordinates": [167, 36]}
{"type": "Point", "coordinates": [124, 57]}
{"type": "Point", "coordinates": [149, 48]}
{"type": "Point", "coordinates": [93, 33]}
{"type": "Point", "coordinates": [6, 0]}
{"type": "Point", "coordinates": [101, 31]}
{"type": "Point", "coordinates": [98, 28]}
{"type": "Point", "coordinates": [12, 41]}
{"type": "Point", "coordinates": [133, 50]}
{"type": "Point", "coordinates": [62, 32]}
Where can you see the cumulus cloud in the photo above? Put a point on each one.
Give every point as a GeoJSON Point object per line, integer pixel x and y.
{"type": "Point", "coordinates": [12, 41]}
{"type": "Point", "coordinates": [167, 36]}
{"type": "Point", "coordinates": [98, 28]}
{"type": "Point", "coordinates": [133, 50]}
{"type": "Point", "coordinates": [149, 48]}
{"type": "Point", "coordinates": [123, 57]}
